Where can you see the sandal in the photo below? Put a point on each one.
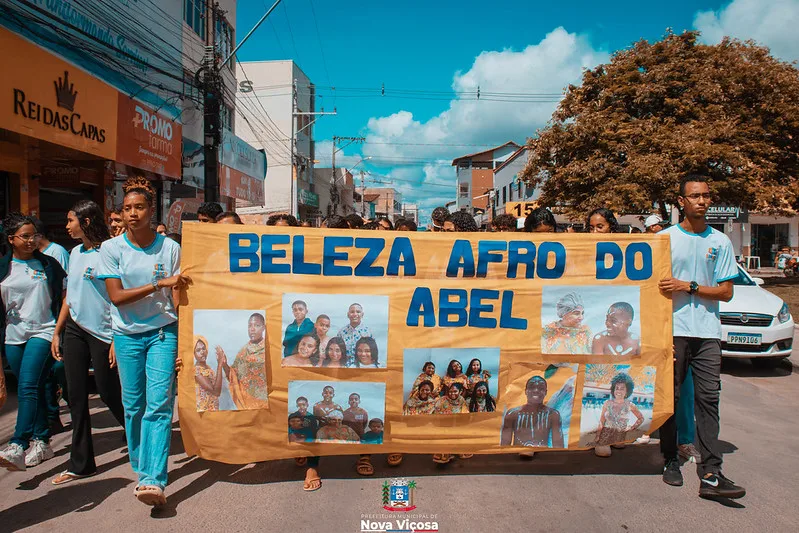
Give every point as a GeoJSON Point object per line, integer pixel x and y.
{"type": "Point", "coordinates": [301, 461]}
{"type": "Point", "coordinates": [364, 466]}
{"type": "Point", "coordinates": [442, 458]}
{"type": "Point", "coordinates": [150, 495]}
{"type": "Point", "coordinates": [526, 456]}
{"type": "Point", "coordinates": [66, 476]}
{"type": "Point", "coordinates": [466, 456]}
{"type": "Point", "coordinates": [394, 459]}
{"type": "Point", "coordinates": [312, 483]}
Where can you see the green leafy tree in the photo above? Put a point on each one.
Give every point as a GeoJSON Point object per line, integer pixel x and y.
{"type": "Point", "coordinates": [634, 127]}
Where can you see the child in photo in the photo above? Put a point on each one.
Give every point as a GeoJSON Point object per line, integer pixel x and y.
{"type": "Point", "coordinates": [482, 401]}
{"type": "Point", "coordinates": [375, 433]}
{"type": "Point", "coordinates": [422, 402]}
{"type": "Point", "coordinates": [614, 421]}
{"type": "Point", "coordinates": [356, 417]}
{"type": "Point", "coordinates": [294, 331]}
{"type": "Point", "coordinates": [297, 431]}
{"type": "Point", "coordinates": [452, 402]}
{"type": "Point", "coordinates": [335, 354]}
{"type": "Point", "coordinates": [428, 374]}
{"type": "Point", "coordinates": [454, 374]}
{"type": "Point", "coordinates": [306, 354]}
{"type": "Point", "coordinates": [321, 327]}
{"type": "Point", "coordinates": [366, 354]}
{"type": "Point", "coordinates": [336, 431]}
{"type": "Point", "coordinates": [567, 335]}
{"type": "Point", "coordinates": [321, 410]}
{"type": "Point", "coordinates": [353, 331]}
{"type": "Point", "coordinates": [475, 374]}
{"type": "Point", "coordinates": [208, 384]}
{"type": "Point", "coordinates": [247, 374]}
{"type": "Point", "coordinates": [617, 339]}
{"type": "Point", "coordinates": [308, 420]}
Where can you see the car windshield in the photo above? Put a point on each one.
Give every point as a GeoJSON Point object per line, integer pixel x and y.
{"type": "Point", "coordinates": [742, 278]}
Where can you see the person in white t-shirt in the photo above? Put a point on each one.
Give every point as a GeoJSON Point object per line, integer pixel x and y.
{"type": "Point", "coordinates": [702, 269]}
{"type": "Point", "coordinates": [31, 288]}
{"type": "Point", "coordinates": [141, 269]}
{"type": "Point", "coordinates": [85, 326]}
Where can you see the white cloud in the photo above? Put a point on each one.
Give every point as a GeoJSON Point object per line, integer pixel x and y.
{"type": "Point", "coordinates": [771, 23]}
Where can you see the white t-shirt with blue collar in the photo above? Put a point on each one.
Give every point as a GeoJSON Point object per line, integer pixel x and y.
{"type": "Point", "coordinates": [26, 296]}
{"type": "Point", "coordinates": [87, 297]}
{"type": "Point", "coordinates": [708, 259]}
{"type": "Point", "coordinates": [59, 253]}
{"type": "Point", "coordinates": [136, 267]}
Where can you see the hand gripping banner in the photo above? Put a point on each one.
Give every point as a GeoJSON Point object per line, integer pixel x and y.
{"type": "Point", "coordinates": [299, 341]}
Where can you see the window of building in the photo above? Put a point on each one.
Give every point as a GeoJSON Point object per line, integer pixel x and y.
{"type": "Point", "coordinates": [510, 193]}
{"type": "Point", "coordinates": [504, 195]}
{"type": "Point", "coordinates": [464, 190]}
{"type": "Point", "coordinates": [482, 165]}
{"type": "Point", "coordinates": [194, 15]}
{"type": "Point", "coordinates": [224, 40]}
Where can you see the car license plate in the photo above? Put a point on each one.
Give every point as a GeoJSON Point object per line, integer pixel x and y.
{"type": "Point", "coordinates": [743, 338]}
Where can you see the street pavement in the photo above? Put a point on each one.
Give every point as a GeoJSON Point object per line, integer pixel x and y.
{"type": "Point", "coordinates": [556, 491]}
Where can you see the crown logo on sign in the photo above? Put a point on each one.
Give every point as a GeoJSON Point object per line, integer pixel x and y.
{"type": "Point", "coordinates": [65, 92]}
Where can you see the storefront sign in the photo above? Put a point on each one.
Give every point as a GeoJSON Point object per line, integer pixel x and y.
{"type": "Point", "coordinates": [721, 213]}
{"type": "Point", "coordinates": [524, 321]}
{"type": "Point", "coordinates": [148, 140]}
{"type": "Point", "coordinates": [239, 155]}
{"type": "Point", "coordinates": [238, 185]}
{"type": "Point", "coordinates": [70, 176]}
{"type": "Point", "coordinates": [49, 99]}
{"type": "Point", "coordinates": [308, 198]}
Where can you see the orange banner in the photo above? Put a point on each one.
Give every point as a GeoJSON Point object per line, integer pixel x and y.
{"type": "Point", "coordinates": [49, 99]}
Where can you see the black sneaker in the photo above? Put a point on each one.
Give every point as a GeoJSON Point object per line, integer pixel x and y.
{"type": "Point", "coordinates": [671, 473]}
{"type": "Point", "coordinates": [715, 485]}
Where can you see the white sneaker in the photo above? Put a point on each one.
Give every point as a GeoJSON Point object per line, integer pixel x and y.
{"type": "Point", "coordinates": [603, 451]}
{"type": "Point", "coordinates": [643, 439]}
{"type": "Point", "coordinates": [13, 458]}
{"type": "Point", "coordinates": [38, 453]}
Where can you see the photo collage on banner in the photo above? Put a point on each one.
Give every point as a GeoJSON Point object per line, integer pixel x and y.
{"type": "Point", "coordinates": [334, 330]}
{"type": "Point", "coordinates": [588, 319]}
{"type": "Point", "coordinates": [617, 405]}
{"type": "Point", "coordinates": [230, 359]}
{"type": "Point", "coordinates": [539, 408]}
{"type": "Point", "coordinates": [446, 381]}
{"type": "Point", "coordinates": [348, 412]}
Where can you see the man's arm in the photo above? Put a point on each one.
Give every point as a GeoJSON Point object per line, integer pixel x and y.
{"type": "Point", "coordinates": [506, 437]}
{"type": "Point", "coordinates": [557, 432]}
{"type": "Point", "coordinates": [722, 293]}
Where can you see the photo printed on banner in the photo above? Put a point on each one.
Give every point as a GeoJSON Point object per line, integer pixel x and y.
{"type": "Point", "coordinates": [543, 419]}
{"type": "Point", "coordinates": [336, 412]}
{"type": "Point", "coordinates": [618, 401]}
{"type": "Point", "coordinates": [589, 319]}
{"type": "Point", "coordinates": [230, 359]}
{"type": "Point", "coordinates": [446, 381]}
{"type": "Point", "coordinates": [335, 330]}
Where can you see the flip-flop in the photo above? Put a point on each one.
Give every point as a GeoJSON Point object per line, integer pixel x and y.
{"type": "Point", "coordinates": [466, 456]}
{"type": "Point", "coordinates": [67, 477]}
{"type": "Point", "coordinates": [364, 467]}
{"type": "Point", "coordinates": [442, 458]}
{"type": "Point", "coordinates": [301, 461]}
{"type": "Point", "coordinates": [306, 486]}
{"type": "Point", "coordinates": [150, 495]}
{"type": "Point", "coordinates": [394, 459]}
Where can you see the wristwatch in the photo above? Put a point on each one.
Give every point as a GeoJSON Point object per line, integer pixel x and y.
{"type": "Point", "coordinates": [693, 287]}
{"type": "Point", "coordinates": [155, 284]}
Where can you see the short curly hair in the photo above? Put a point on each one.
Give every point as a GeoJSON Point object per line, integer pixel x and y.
{"type": "Point", "coordinates": [463, 221]}
{"type": "Point", "coordinates": [628, 382]}
{"type": "Point", "coordinates": [140, 185]}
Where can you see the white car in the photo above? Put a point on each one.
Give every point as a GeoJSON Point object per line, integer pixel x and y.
{"type": "Point", "coordinates": [756, 323]}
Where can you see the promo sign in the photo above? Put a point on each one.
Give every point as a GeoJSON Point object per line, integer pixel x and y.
{"type": "Point", "coordinates": [49, 99]}
{"type": "Point", "coordinates": [148, 140]}
{"type": "Point", "coordinates": [301, 342]}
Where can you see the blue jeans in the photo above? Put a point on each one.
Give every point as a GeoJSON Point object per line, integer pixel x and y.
{"type": "Point", "coordinates": [31, 363]}
{"type": "Point", "coordinates": [686, 426]}
{"type": "Point", "coordinates": [146, 364]}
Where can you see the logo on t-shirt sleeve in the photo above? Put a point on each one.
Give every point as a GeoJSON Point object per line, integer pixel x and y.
{"type": "Point", "coordinates": [712, 253]}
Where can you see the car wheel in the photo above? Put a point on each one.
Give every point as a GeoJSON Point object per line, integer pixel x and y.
{"type": "Point", "coordinates": [766, 362]}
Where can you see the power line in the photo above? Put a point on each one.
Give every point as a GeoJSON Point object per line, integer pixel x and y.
{"type": "Point", "coordinates": [291, 33]}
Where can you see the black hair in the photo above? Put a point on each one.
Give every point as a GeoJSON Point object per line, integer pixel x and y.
{"type": "Point", "coordinates": [337, 341]}
{"type": "Point", "coordinates": [450, 371]}
{"type": "Point", "coordinates": [295, 415]}
{"type": "Point", "coordinates": [692, 178]}
{"type": "Point", "coordinates": [291, 220]}
{"type": "Point", "coordinates": [295, 302]}
{"type": "Point", "coordinates": [336, 222]}
{"type": "Point", "coordinates": [469, 368]}
{"type": "Point", "coordinates": [375, 420]}
{"type": "Point", "coordinates": [385, 219]}
{"type": "Point", "coordinates": [322, 316]}
{"type": "Point", "coordinates": [623, 306]}
{"type": "Point", "coordinates": [369, 341]}
{"type": "Point", "coordinates": [622, 378]}
{"type": "Point", "coordinates": [427, 382]}
{"type": "Point", "coordinates": [491, 403]}
{"type": "Point", "coordinates": [372, 225]}
{"type": "Point", "coordinates": [259, 317]}
{"type": "Point", "coordinates": [455, 385]}
{"type": "Point", "coordinates": [315, 355]}
{"type": "Point", "coordinates": [354, 394]}
{"type": "Point", "coordinates": [505, 222]}
{"type": "Point", "coordinates": [439, 215]}
{"type": "Point", "coordinates": [354, 221]}
{"type": "Point", "coordinates": [159, 223]}
{"type": "Point", "coordinates": [406, 223]}
{"type": "Point", "coordinates": [533, 380]}
{"type": "Point", "coordinates": [301, 398]}
{"type": "Point", "coordinates": [539, 216]}
{"type": "Point", "coordinates": [117, 210]}
{"type": "Point", "coordinates": [175, 237]}
{"type": "Point", "coordinates": [140, 185]}
{"type": "Point", "coordinates": [607, 214]}
{"type": "Point", "coordinates": [95, 230]}
{"type": "Point", "coordinates": [463, 221]}
{"type": "Point", "coordinates": [12, 222]}
{"type": "Point", "coordinates": [229, 214]}
{"type": "Point", "coordinates": [428, 363]}
{"type": "Point", "coordinates": [210, 209]}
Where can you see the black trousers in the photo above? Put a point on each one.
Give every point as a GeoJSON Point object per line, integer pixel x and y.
{"type": "Point", "coordinates": [703, 356]}
{"type": "Point", "coordinates": [81, 351]}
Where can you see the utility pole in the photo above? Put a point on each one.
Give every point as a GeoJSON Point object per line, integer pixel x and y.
{"type": "Point", "coordinates": [334, 196]}
{"type": "Point", "coordinates": [295, 208]}
{"type": "Point", "coordinates": [363, 194]}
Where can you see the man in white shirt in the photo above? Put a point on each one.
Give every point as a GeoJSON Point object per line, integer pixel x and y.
{"type": "Point", "coordinates": [703, 267]}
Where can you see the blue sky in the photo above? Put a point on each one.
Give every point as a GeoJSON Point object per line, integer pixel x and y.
{"type": "Point", "coordinates": [425, 51]}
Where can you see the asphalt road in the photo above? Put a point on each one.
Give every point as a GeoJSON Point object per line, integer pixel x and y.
{"type": "Point", "coordinates": [556, 491]}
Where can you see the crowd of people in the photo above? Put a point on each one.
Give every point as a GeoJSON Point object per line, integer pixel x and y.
{"type": "Point", "coordinates": [111, 305]}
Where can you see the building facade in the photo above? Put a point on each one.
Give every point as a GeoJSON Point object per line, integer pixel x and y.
{"type": "Point", "coordinates": [336, 193]}
{"type": "Point", "coordinates": [388, 202]}
{"type": "Point", "coordinates": [475, 176]}
{"type": "Point", "coordinates": [507, 185]}
{"type": "Point", "coordinates": [273, 102]}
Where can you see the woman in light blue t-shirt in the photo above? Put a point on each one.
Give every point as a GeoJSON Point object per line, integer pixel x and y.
{"type": "Point", "coordinates": [141, 269]}
{"type": "Point", "coordinates": [84, 325]}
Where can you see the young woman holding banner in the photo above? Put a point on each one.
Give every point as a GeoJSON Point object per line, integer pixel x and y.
{"type": "Point", "coordinates": [141, 269]}
{"type": "Point", "coordinates": [85, 324]}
